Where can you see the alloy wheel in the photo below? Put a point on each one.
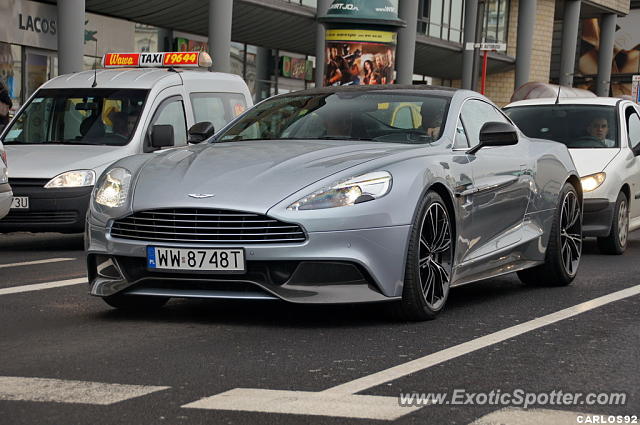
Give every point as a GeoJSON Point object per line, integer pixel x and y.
{"type": "Point", "coordinates": [623, 223]}
{"type": "Point", "coordinates": [435, 256]}
{"type": "Point", "coordinates": [571, 233]}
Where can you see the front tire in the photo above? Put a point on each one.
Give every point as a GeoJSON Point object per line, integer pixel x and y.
{"type": "Point", "coordinates": [135, 303]}
{"type": "Point", "coordinates": [565, 244]}
{"type": "Point", "coordinates": [429, 261]}
{"type": "Point", "coordinates": [616, 242]}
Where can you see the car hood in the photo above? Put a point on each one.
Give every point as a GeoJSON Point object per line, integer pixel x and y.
{"type": "Point", "coordinates": [591, 161]}
{"type": "Point", "coordinates": [246, 176]}
{"type": "Point", "coordinates": [47, 161]}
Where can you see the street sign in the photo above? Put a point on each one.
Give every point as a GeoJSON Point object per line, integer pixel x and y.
{"type": "Point", "coordinates": [486, 46]}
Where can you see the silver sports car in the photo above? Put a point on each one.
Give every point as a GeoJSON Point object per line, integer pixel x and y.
{"type": "Point", "coordinates": [338, 195]}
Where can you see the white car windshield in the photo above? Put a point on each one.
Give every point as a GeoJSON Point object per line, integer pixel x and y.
{"type": "Point", "coordinates": [577, 126]}
{"type": "Point", "coordinates": [78, 117]}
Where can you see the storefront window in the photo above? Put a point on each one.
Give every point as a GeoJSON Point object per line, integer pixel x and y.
{"type": "Point", "coordinates": [11, 71]}
{"type": "Point", "coordinates": [441, 19]}
{"type": "Point", "coordinates": [40, 66]}
{"type": "Point", "coordinates": [496, 13]}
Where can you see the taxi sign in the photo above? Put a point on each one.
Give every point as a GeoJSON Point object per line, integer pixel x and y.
{"type": "Point", "coordinates": [160, 59]}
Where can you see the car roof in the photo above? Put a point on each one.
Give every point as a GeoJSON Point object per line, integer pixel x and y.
{"type": "Point", "coordinates": [610, 101]}
{"type": "Point", "coordinates": [140, 78]}
{"type": "Point", "coordinates": [436, 90]}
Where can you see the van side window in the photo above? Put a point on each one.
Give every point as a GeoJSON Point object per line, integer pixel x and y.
{"type": "Point", "coordinates": [217, 108]}
{"type": "Point", "coordinates": [171, 112]}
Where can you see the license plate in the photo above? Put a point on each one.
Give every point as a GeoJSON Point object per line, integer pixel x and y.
{"type": "Point", "coordinates": [20, 203]}
{"type": "Point", "coordinates": [195, 259]}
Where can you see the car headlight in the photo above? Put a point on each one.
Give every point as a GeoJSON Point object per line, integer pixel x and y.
{"type": "Point", "coordinates": [592, 181]}
{"type": "Point", "coordinates": [366, 187]}
{"type": "Point", "coordinates": [77, 178]}
{"type": "Point", "coordinates": [114, 189]}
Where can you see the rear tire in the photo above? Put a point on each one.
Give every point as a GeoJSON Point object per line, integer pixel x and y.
{"type": "Point", "coordinates": [135, 303]}
{"type": "Point", "coordinates": [565, 244]}
{"type": "Point", "coordinates": [616, 242]}
{"type": "Point", "coordinates": [429, 262]}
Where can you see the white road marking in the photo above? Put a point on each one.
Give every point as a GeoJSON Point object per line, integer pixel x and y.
{"type": "Point", "coordinates": [514, 416]}
{"type": "Point", "coordinates": [342, 400]}
{"type": "Point", "coordinates": [425, 362]}
{"type": "Point", "coordinates": [32, 263]}
{"type": "Point", "coordinates": [41, 286]}
{"type": "Point", "coordinates": [305, 403]}
{"type": "Point", "coordinates": [64, 391]}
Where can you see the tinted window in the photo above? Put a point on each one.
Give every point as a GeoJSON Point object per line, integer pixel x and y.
{"type": "Point", "coordinates": [577, 126]}
{"type": "Point", "coordinates": [475, 113]}
{"type": "Point", "coordinates": [361, 115]}
{"type": "Point", "coordinates": [78, 116]}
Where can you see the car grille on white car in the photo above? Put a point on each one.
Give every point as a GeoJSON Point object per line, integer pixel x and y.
{"type": "Point", "coordinates": [205, 226]}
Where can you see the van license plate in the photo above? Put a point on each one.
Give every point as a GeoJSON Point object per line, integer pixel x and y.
{"type": "Point", "coordinates": [231, 260]}
{"type": "Point", "coordinates": [20, 203]}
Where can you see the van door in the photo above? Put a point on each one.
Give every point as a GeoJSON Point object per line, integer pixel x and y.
{"type": "Point", "coordinates": [167, 109]}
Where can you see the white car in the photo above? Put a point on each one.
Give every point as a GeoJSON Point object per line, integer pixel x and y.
{"type": "Point", "coordinates": [74, 126]}
{"type": "Point", "coordinates": [603, 137]}
{"type": "Point", "coordinates": [6, 195]}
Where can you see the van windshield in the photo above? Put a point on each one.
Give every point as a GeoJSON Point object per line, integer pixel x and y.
{"type": "Point", "coordinates": [78, 117]}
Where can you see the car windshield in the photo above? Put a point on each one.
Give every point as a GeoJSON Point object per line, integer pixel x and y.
{"type": "Point", "coordinates": [349, 115]}
{"type": "Point", "coordinates": [577, 126]}
{"type": "Point", "coordinates": [78, 117]}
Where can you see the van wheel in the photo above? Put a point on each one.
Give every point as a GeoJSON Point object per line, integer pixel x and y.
{"type": "Point", "coordinates": [616, 242]}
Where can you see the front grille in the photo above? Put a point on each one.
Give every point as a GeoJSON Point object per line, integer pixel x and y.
{"type": "Point", "coordinates": [16, 182]}
{"type": "Point", "coordinates": [205, 226]}
{"type": "Point", "coordinates": [26, 217]}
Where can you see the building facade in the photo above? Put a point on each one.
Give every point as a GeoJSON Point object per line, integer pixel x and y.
{"type": "Point", "coordinates": [277, 46]}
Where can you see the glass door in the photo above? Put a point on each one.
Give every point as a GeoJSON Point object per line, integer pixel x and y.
{"type": "Point", "coordinates": [40, 66]}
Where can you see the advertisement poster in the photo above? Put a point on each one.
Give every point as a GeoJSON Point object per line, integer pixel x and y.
{"type": "Point", "coordinates": [626, 52]}
{"type": "Point", "coordinates": [356, 57]}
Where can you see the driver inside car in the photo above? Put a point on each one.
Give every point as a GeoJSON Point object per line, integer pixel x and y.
{"type": "Point", "coordinates": [431, 121]}
{"type": "Point", "coordinates": [598, 128]}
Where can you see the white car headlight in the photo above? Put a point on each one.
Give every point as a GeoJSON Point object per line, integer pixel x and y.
{"type": "Point", "coordinates": [366, 187]}
{"type": "Point", "coordinates": [114, 189]}
{"type": "Point", "coordinates": [592, 181]}
{"type": "Point", "coordinates": [77, 178]}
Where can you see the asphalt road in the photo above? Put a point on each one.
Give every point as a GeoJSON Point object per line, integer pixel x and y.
{"type": "Point", "coordinates": [62, 351]}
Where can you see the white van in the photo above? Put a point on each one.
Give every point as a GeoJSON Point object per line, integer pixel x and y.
{"type": "Point", "coordinates": [75, 125]}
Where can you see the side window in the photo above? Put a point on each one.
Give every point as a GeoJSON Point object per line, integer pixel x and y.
{"type": "Point", "coordinates": [217, 108]}
{"type": "Point", "coordinates": [403, 118]}
{"type": "Point", "coordinates": [461, 141]}
{"type": "Point", "coordinates": [171, 112]}
{"type": "Point", "coordinates": [633, 127]}
{"type": "Point", "coordinates": [475, 113]}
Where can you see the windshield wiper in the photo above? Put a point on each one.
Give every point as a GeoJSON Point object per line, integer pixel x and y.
{"type": "Point", "coordinates": [343, 138]}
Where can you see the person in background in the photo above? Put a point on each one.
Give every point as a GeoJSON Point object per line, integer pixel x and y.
{"type": "Point", "coordinates": [5, 104]}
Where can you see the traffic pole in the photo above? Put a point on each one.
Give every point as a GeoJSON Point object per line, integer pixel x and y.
{"type": "Point", "coordinates": [484, 71]}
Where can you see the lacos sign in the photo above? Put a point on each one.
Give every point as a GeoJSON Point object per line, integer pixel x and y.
{"type": "Point", "coordinates": [29, 23]}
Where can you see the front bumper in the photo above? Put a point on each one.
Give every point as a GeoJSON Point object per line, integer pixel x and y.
{"type": "Point", "coordinates": [5, 199]}
{"type": "Point", "coordinates": [50, 210]}
{"type": "Point", "coordinates": [353, 266]}
{"type": "Point", "coordinates": [597, 217]}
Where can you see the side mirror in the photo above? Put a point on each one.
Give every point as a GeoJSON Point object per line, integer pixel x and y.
{"type": "Point", "coordinates": [496, 134]}
{"type": "Point", "coordinates": [201, 131]}
{"type": "Point", "coordinates": [161, 136]}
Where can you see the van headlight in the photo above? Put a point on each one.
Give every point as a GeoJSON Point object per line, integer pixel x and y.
{"type": "Point", "coordinates": [592, 181]}
{"type": "Point", "coordinates": [366, 187]}
{"type": "Point", "coordinates": [114, 189]}
{"type": "Point", "coordinates": [76, 178]}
